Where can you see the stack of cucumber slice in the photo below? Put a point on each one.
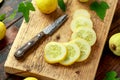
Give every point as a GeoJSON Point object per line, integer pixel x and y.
{"type": "Point", "coordinates": [78, 48]}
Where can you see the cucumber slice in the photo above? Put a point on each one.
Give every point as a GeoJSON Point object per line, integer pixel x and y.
{"type": "Point", "coordinates": [81, 12]}
{"type": "Point", "coordinates": [84, 47]}
{"type": "Point", "coordinates": [54, 52]}
{"type": "Point", "coordinates": [73, 53]}
{"type": "Point", "coordinates": [81, 22]}
{"type": "Point", "coordinates": [85, 33]}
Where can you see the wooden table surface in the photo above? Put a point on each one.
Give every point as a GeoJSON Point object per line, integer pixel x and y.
{"type": "Point", "coordinates": [108, 60]}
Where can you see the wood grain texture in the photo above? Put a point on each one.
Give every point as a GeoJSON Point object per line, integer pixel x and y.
{"type": "Point", "coordinates": [109, 61]}
{"type": "Point", "coordinates": [34, 64]}
{"type": "Point", "coordinates": [7, 7]}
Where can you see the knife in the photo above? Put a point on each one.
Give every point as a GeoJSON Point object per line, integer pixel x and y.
{"type": "Point", "coordinates": [49, 30]}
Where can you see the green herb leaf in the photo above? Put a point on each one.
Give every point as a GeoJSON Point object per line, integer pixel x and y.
{"type": "Point", "coordinates": [62, 5]}
{"type": "Point", "coordinates": [2, 17]}
{"type": "Point", "coordinates": [100, 8]}
{"type": "Point", "coordinates": [22, 8]}
{"type": "Point", "coordinates": [104, 5]}
{"type": "Point", "coordinates": [111, 75]}
{"type": "Point", "coordinates": [12, 16]}
{"type": "Point", "coordinates": [29, 5]}
{"type": "Point", "coordinates": [117, 78]}
{"type": "Point", "coordinates": [25, 8]}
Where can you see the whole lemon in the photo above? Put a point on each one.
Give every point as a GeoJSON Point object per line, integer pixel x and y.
{"type": "Point", "coordinates": [2, 30]}
{"type": "Point", "coordinates": [30, 78]}
{"type": "Point", "coordinates": [47, 6]}
{"type": "Point", "coordinates": [114, 44]}
{"type": "Point", "coordinates": [83, 0]}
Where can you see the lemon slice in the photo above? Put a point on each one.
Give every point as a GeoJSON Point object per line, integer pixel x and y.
{"type": "Point", "coordinates": [73, 53]}
{"type": "Point", "coordinates": [86, 33]}
{"type": "Point", "coordinates": [54, 52]}
{"type": "Point", "coordinates": [81, 12]}
{"type": "Point", "coordinates": [81, 22]}
{"type": "Point", "coordinates": [84, 47]}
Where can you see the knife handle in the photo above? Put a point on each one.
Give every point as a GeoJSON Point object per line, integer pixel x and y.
{"type": "Point", "coordinates": [22, 50]}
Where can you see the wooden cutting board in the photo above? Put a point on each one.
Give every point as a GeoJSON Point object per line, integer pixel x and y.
{"type": "Point", "coordinates": [35, 65]}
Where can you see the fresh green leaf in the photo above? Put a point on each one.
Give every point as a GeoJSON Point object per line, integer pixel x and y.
{"type": "Point", "coordinates": [12, 16]}
{"type": "Point", "coordinates": [2, 17]}
{"type": "Point", "coordinates": [22, 8]}
{"type": "Point", "coordinates": [117, 78]}
{"type": "Point", "coordinates": [62, 5]}
{"type": "Point", "coordinates": [104, 5]}
{"type": "Point", "coordinates": [25, 8]}
{"type": "Point", "coordinates": [30, 6]}
{"type": "Point", "coordinates": [111, 75]}
{"type": "Point", "coordinates": [100, 8]}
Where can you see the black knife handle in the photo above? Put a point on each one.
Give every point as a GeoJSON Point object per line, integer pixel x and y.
{"type": "Point", "coordinates": [22, 50]}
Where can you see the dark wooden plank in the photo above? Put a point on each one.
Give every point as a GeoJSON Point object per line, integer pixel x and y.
{"type": "Point", "coordinates": [109, 61]}
{"type": "Point", "coordinates": [7, 8]}
{"type": "Point", "coordinates": [7, 41]}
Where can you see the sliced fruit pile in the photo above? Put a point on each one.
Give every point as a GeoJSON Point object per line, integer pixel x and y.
{"type": "Point", "coordinates": [78, 48]}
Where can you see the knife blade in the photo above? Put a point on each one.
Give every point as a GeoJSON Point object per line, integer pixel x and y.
{"type": "Point", "coordinates": [49, 30]}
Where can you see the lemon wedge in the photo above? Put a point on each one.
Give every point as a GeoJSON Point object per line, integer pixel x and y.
{"type": "Point", "coordinates": [73, 53]}
{"type": "Point", "coordinates": [54, 52]}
